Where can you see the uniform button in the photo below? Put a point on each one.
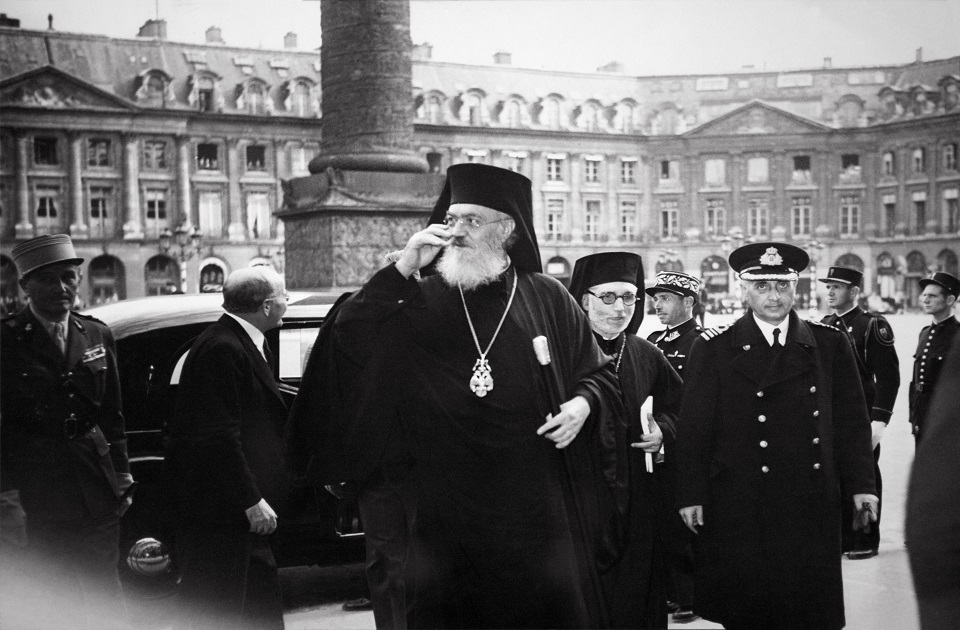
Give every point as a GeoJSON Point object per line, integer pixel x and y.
{"type": "Point", "coordinates": [816, 440]}
{"type": "Point", "coordinates": [762, 418]}
{"type": "Point", "coordinates": [69, 374]}
{"type": "Point", "coordinates": [765, 469]}
{"type": "Point", "coordinates": [813, 389]}
{"type": "Point", "coordinates": [760, 394]}
{"type": "Point", "coordinates": [399, 301]}
{"type": "Point", "coordinates": [679, 367]}
{"type": "Point", "coordinates": [72, 395]}
{"type": "Point", "coordinates": [816, 466]}
{"type": "Point", "coordinates": [763, 444]}
{"type": "Point", "coordinates": [816, 413]}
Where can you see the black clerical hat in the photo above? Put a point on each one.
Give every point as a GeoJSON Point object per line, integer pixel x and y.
{"type": "Point", "coordinates": [769, 261]}
{"type": "Point", "coordinates": [846, 275]}
{"type": "Point", "coordinates": [950, 283]}
{"type": "Point", "coordinates": [676, 282]}
{"type": "Point", "coordinates": [604, 267]}
{"type": "Point", "coordinates": [501, 190]}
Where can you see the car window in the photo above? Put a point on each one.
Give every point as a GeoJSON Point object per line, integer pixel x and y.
{"type": "Point", "coordinates": [295, 345]}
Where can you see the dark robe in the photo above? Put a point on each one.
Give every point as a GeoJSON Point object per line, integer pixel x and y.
{"type": "Point", "coordinates": [634, 584]}
{"type": "Point", "coordinates": [507, 525]}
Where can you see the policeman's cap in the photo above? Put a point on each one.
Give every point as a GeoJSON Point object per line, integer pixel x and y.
{"type": "Point", "coordinates": [845, 275]}
{"type": "Point", "coordinates": [43, 251]}
{"type": "Point", "coordinates": [769, 261]}
{"type": "Point", "coordinates": [950, 283]}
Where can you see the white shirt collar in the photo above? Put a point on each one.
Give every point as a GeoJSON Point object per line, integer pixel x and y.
{"type": "Point", "coordinates": [255, 335]}
{"type": "Point", "coordinates": [767, 329]}
{"type": "Point", "coordinates": [49, 324]}
{"type": "Point", "coordinates": [846, 311]}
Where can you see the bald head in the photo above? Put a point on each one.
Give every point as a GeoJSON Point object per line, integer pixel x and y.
{"type": "Point", "coordinates": [246, 289]}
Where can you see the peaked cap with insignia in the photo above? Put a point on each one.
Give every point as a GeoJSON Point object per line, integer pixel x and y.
{"type": "Point", "coordinates": [769, 261]}
{"type": "Point", "coordinates": [605, 267]}
{"type": "Point", "coordinates": [677, 283]}
{"type": "Point", "coordinates": [44, 251]}
{"type": "Point", "coordinates": [846, 275]}
{"type": "Point", "coordinates": [950, 283]}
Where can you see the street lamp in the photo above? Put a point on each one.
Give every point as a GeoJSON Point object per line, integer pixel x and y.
{"type": "Point", "coordinates": [813, 248]}
{"type": "Point", "coordinates": [189, 240]}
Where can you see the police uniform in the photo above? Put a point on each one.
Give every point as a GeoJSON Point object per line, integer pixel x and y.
{"type": "Point", "coordinates": [763, 444]}
{"type": "Point", "coordinates": [63, 441]}
{"type": "Point", "coordinates": [935, 343]}
{"type": "Point", "coordinates": [873, 343]}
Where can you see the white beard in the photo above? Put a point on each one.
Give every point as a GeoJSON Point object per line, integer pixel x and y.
{"type": "Point", "coordinates": [472, 267]}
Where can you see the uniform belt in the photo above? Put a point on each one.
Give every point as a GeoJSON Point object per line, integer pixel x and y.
{"type": "Point", "coordinates": [74, 427]}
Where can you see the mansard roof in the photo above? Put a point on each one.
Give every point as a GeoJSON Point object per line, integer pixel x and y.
{"type": "Point", "coordinates": [757, 117]}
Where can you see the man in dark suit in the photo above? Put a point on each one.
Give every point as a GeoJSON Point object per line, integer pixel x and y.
{"type": "Point", "coordinates": [674, 299]}
{"type": "Point", "coordinates": [872, 340]}
{"type": "Point", "coordinates": [773, 418]}
{"type": "Point", "coordinates": [225, 466]}
{"type": "Point", "coordinates": [63, 441]}
{"type": "Point", "coordinates": [938, 297]}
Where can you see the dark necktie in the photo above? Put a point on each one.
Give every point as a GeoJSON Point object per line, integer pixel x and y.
{"type": "Point", "coordinates": [776, 339]}
{"type": "Point", "coordinates": [267, 355]}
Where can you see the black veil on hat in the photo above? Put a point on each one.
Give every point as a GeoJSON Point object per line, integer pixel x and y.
{"type": "Point", "coordinates": [604, 267]}
{"type": "Point", "coordinates": [501, 190]}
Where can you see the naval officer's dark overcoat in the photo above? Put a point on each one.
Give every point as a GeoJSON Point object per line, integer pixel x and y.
{"type": "Point", "coordinates": [765, 436]}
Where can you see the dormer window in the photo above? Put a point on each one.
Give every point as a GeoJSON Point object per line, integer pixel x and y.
{"type": "Point", "coordinates": [154, 88]}
{"type": "Point", "coordinates": [550, 113]}
{"type": "Point", "coordinates": [626, 119]}
{"type": "Point", "coordinates": [473, 109]}
{"type": "Point", "coordinates": [589, 118]}
{"type": "Point", "coordinates": [205, 92]}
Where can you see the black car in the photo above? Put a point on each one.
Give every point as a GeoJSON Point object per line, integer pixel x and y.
{"type": "Point", "coordinates": [153, 337]}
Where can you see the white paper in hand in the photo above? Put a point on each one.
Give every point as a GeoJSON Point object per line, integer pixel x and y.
{"type": "Point", "coordinates": [645, 411]}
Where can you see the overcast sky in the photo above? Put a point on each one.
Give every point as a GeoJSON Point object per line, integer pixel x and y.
{"type": "Point", "coordinates": [647, 36]}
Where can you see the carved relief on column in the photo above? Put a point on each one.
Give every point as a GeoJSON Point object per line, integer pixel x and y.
{"type": "Point", "coordinates": [78, 224]}
{"type": "Point", "coordinates": [237, 230]}
{"type": "Point", "coordinates": [133, 225]}
{"type": "Point", "coordinates": [24, 229]}
{"type": "Point", "coordinates": [183, 181]}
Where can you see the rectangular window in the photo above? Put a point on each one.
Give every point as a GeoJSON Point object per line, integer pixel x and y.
{"type": "Point", "coordinates": [98, 152]}
{"type": "Point", "coordinates": [47, 211]}
{"type": "Point", "coordinates": [757, 170]}
{"type": "Point", "coordinates": [591, 171]}
{"type": "Point", "coordinates": [800, 216]}
{"type": "Point", "coordinates": [757, 217]}
{"type": "Point", "coordinates": [669, 212]}
{"type": "Point", "coordinates": [715, 217]}
{"type": "Point", "coordinates": [155, 155]}
{"type": "Point", "coordinates": [920, 212]}
{"type": "Point", "coordinates": [300, 161]}
{"type": "Point", "coordinates": [889, 214]}
{"type": "Point", "coordinates": [669, 171]}
{"type": "Point", "coordinates": [628, 220]}
{"type": "Point", "coordinates": [950, 157]}
{"type": "Point", "coordinates": [919, 161]}
{"type": "Point", "coordinates": [516, 163]}
{"type": "Point", "coordinates": [849, 215]}
{"type": "Point", "coordinates": [156, 211]}
{"type": "Point", "coordinates": [849, 168]}
{"type": "Point", "coordinates": [952, 207]}
{"type": "Point", "coordinates": [208, 157]}
{"type": "Point", "coordinates": [801, 170]}
{"type": "Point", "coordinates": [887, 168]}
{"type": "Point", "coordinates": [555, 219]}
{"type": "Point", "coordinates": [591, 219]}
{"type": "Point", "coordinates": [256, 158]}
{"type": "Point", "coordinates": [205, 99]}
{"type": "Point", "coordinates": [628, 172]}
{"type": "Point", "coordinates": [101, 211]}
{"type": "Point", "coordinates": [258, 215]}
{"type": "Point", "coordinates": [554, 170]}
{"type": "Point", "coordinates": [715, 172]}
{"type": "Point", "coordinates": [45, 151]}
{"type": "Point", "coordinates": [210, 214]}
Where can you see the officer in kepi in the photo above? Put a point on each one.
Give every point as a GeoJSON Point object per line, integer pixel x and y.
{"type": "Point", "coordinates": [63, 441]}
{"type": "Point", "coordinates": [871, 338]}
{"type": "Point", "coordinates": [938, 296]}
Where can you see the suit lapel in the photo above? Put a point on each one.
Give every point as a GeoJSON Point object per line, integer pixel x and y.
{"type": "Point", "coordinates": [260, 367]}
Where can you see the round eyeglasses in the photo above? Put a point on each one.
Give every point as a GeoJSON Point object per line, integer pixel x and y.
{"type": "Point", "coordinates": [469, 221]}
{"type": "Point", "coordinates": [629, 299]}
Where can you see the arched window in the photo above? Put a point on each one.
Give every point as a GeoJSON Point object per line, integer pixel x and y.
{"type": "Point", "coordinates": [550, 113]}
{"type": "Point", "coordinates": [434, 109]}
{"type": "Point", "coordinates": [162, 276]}
{"type": "Point", "coordinates": [850, 260]}
{"type": "Point", "coordinates": [849, 109]}
{"type": "Point", "coordinates": [625, 119]}
{"type": "Point", "coordinates": [665, 122]}
{"type": "Point", "coordinates": [212, 275]}
{"type": "Point", "coordinates": [589, 118]}
{"type": "Point", "coordinates": [255, 98]}
{"type": "Point", "coordinates": [511, 114]}
{"type": "Point", "coordinates": [301, 100]}
{"type": "Point", "coordinates": [947, 262]}
{"type": "Point", "coordinates": [153, 88]}
{"type": "Point", "coordinates": [9, 290]}
{"type": "Point", "coordinates": [107, 280]}
{"type": "Point", "coordinates": [559, 268]}
{"type": "Point", "coordinates": [716, 274]}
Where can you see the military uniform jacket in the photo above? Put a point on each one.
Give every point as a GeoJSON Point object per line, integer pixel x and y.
{"type": "Point", "coordinates": [935, 342]}
{"type": "Point", "coordinates": [676, 343]}
{"type": "Point", "coordinates": [763, 445]}
{"type": "Point", "coordinates": [873, 342]}
{"type": "Point", "coordinates": [45, 398]}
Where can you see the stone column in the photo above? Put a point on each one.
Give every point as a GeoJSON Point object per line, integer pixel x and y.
{"type": "Point", "coordinates": [575, 222]}
{"type": "Point", "coordinates": [183, 180]}
{"type": "Point", "coordinates": [237, 231]}
{"type": "Point", "coordinates": [780, 174]}
{"type": "Point", "coordinates": [78, 225]}
{"type": "Point", "coordinates": [737, 215]}
{"type": "Point", "coordinates": [132, 227]}
{"type": "Point", "coordinates": [24, 229]}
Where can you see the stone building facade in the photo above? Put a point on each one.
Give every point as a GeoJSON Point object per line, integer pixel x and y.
{"type": "Point", "coordinates": [117, 140]}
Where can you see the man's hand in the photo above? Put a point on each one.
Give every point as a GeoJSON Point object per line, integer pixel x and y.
{"type": "Point", "coordinates": [652, 441]}
{"type": "Point", "coordinates": [876, 433]}
{"type": "Point", "coordinates": [859, 500]}
{"type": "Point", "coordinates": [692, 517]}
{"type": "Point", "coordinates": [263, 520]}
{"type": "Point", "coordinates": [565, 426]}
{"type": "Point", "coordinates": [422, 248]}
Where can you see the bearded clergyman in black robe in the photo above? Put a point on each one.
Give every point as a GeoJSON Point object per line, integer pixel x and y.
{"type": "Point", "coordinates": [633, 578]}
{"type": "Point", "coordinates": [508, 517]}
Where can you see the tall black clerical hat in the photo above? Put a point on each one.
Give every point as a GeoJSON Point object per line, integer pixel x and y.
{"type": "Point", "coordinates": [610, 267]}
{"type": "Point", "coordinates": [769, 261]}
{"type": "Point", "coordinates": [846, 275]}
{"type": "Point", "coordinates": [501, 190]}
{"type": "Point", "coordinates": [950, 283]}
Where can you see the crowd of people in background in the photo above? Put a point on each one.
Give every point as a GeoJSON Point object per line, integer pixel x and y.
{"type": "Point", "coordinates": [522, 458]}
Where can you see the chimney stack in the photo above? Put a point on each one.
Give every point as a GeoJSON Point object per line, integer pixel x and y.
{"type": "Point", "coordinates": [214, 35]}
{"type": "Point", "coordinates": [290, 40]}
{"type": "Point", "coordinates": [422, 52]}
{"type": "Point", "coordinates": [154, 29]}
{"type": "Point", "coordinates": [613, 66]}
{"type": "Point", "coordinates": [827, 63]}
{"type": "Point", "coordinates": [920, 54]}
{"type": "Point", "coordinates": [502, 58]}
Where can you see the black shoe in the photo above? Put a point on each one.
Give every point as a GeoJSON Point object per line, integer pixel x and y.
{"type": "Point", "coordinates": [362, 603]}
{"type": "Point", "coordinates": [684, 615]}
{"type": "Point", "coordinates": [862, 555]}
